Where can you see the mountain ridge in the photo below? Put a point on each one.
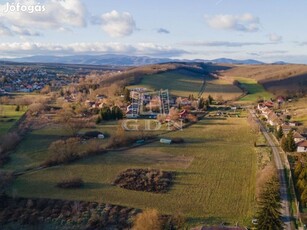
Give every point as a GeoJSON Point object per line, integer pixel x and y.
{"type": "Point", "coordinates": [122, 60]}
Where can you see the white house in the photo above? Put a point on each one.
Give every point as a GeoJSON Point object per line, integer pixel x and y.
{"type": "Point", "coordinates": [302, 147]}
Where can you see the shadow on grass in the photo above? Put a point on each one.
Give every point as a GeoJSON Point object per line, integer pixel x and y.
{"type": "Point", "coordinates": [92, 185]}
{"type": "Point", "coordinates": [204, 221]}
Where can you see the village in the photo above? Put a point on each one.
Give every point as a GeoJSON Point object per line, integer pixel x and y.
{"type": "Point", "coordinates": [278, 117]}
{"type": "Point", "coordinates": [32, 78]}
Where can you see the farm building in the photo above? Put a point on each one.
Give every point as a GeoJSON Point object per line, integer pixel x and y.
{"type": "Point", "coordinates": [165, 141]}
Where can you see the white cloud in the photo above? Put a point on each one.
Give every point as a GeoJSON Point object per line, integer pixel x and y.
{"type": "Point", "coordinates": [275, 37]}
{"type": "Point", "coordinates": [245, 22]}
{"type": "Point", "coordinates": [118, 24]}
{"type": "Point", "coordinates": [66, 14]}
{"type": "Point", "coordinates": [226, 43]}
{"type": "Point", "coordinates": [27, 48]}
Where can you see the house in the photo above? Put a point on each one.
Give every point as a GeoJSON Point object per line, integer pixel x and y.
{"type": "Point", "coordinates": [298, 137]}
{"type": "Point", "coordinates": [273, 119]}
{"type": "Point", "coordinates": [294, 123]}
{"type": "Point", "coordinates": [269, 104]}
{"type": "Point", "coordinates": [302, 147]}
{"type": "Point", "coordinates": [261, 107]}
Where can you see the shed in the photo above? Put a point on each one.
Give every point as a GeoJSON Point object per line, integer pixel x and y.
{"type": "Point", "coordinates": [101, 136]}
{"type": "Point", "coordinates": [165, 141]}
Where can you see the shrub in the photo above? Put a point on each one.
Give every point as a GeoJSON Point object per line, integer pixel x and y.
{"type": "Point", "coordinates": [5, 180]}
{"type": "Point", "coordinates": [148, 219]}
{"type": "Point", "coordinates": [178, 140]}
{"type": "Point", "coordinates": [62, 151]}
{"type": "Point", "coordinates": [73, 182]}
{"type": "Point", "coordinates": [145, 180]}
{"type": "Point", "coordinates": [9, 141]}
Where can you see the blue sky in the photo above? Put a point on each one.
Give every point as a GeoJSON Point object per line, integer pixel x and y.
{"type": "Point", "coordinates": [267, 30]}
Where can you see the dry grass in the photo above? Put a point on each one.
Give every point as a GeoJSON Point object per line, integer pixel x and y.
{"type": "Point", "coordinates": [298, 110]}
{"type": "Point", "coordinates": [185, 83]}
{"type": "Point", "coordinates": [224, 157]}
{"type": "Point", "coordinates": [276, 78]}
{"type": "Point", "coordinates": [265, 73]}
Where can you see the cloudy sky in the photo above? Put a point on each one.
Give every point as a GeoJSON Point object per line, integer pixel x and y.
{"type": "Point", "coordinates": [267, 30]}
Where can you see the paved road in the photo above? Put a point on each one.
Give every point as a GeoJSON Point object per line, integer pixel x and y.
{"type": "Point", "coordinates": [280, 167]}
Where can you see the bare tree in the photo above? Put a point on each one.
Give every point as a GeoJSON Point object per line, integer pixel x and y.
{"type": "Point", "coordinates": [67, 118]}
{"type": "Point", "coordinates": [36, 108]}
{"type": "Point", "coordinates": [1, 110]}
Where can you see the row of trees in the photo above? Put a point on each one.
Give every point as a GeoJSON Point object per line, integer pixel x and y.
{"type": "Point", "coordinates": [150, 219]}
{"type": "Point", "coordinates": [110, 113]}
{"type": "Point", "coordinates": [269, 215]}
{"type": "Point", "coordinates": [287, 142]}
{"type": "Point", "coordinates": [300, 173]}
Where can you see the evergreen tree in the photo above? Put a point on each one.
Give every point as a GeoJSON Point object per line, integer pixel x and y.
{"type": "Point", "coordinates": [269, 215]}
{"type": "Point", "coordinates": [201, 103]}
{"type": "Point", "coordinates": [279, 133]}
{"type": "Point", "coordinates": [98, 120]}
{"type": "Point", "coordinates": [106, 113]}
{"type": "Point", "coordinates": [210, 99]}
{"type": "Point", "coordinates": [127, 95]}
{"type": "Point", "coordinates": [17, 109]}
{"type": "Point", "coordinates": [117, 113]}
{"type": "Point", "coordinates": [290, 142]}
{"type": "Point", "coordinates": [283, 143]}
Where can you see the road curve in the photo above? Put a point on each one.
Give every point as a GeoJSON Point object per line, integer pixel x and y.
{"type": "Point", "coordinates": [280, 168]}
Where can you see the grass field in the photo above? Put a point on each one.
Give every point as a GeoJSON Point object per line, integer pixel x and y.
{"type": "Point", "coordinates": [8, 117]}
{"type": "Point", "coordinates": [277, 79]}
{"type": "Point", "coordinates": [255, 90]}
{"type": "Point", "coordinates": [33, 150]}
{"type": "Point", "coordinates": [185, 83]}
{"type": "Point", "coordinates": [298, 110]}
{"type": "Point", "coordinates": [215, 168]}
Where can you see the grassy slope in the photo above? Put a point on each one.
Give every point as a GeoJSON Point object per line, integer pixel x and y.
{"type": "Point", "coordinates": [218, 184]}
{"type": "Point", "coordinates": [8, 111]}
{"type": "Point", "coordinates": [255, 90]}
{"type": "Point", "coordinates": [298, 110]}
{"type": "Point", "coordinates": [276, 78]}
{"type": "Point", "coordinates": [33, 149]}
{"type": "Point", "coordinates": [184, 83]}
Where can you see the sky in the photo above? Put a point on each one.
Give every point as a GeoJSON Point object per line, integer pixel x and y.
{"type": "Point", "coordinates": [266, 30]}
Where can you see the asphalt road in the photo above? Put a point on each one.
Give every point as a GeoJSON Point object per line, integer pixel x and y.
{"type": "Point", "coordinates": [280, 167]}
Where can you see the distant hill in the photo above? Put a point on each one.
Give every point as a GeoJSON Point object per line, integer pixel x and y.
{"type": "Point", "coordinates": [120, 60]}
{"type": "Point", "coordinates": [108, 59]}
{"type": "Point", "coordinates": [233, 61]}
